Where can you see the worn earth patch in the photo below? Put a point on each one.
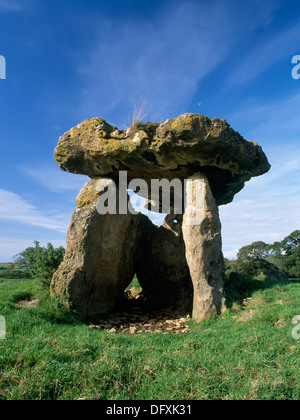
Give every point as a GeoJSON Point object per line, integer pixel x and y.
{"type": "Point", "coordinates": [27, 303]}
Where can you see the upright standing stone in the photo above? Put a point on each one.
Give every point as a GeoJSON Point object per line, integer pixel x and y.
{"type": "Point", "coordinates": [202, 237]}
{"type": "Point", "coordinates": [104, 252]}
{"type": "Point", "coordinates": [162, 271]}
{"type": "Point", "coordinates": [99, 262]}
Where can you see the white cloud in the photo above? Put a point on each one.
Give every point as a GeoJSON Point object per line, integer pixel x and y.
{"type": "Point", "coordinates": [54, 179]}
{"type": "Point", "coordinates": [274, 123]}
{"type": "Point", "coordinates": [15, 208]}
{"type": "Point", "coordinates": [247, 221]}
{"type": "Point", "coordinates": [268, 208]}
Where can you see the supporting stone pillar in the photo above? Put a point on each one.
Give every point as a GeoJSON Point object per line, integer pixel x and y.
{"type": "Point", "coordinates": [162, 271]}
{"type": "Point", "coordinates": [99, 262]}
{"type": "Point", "coordinates": [202, 236]}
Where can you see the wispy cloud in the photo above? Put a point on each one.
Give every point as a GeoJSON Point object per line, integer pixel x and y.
{"type": "Point", "coordinates": [272, 122]}
{"type": "Point", "coordinates": [53, 178]}
{"type": "Point", "coordinates": [247, 221]}
{"type": "Point", "coordinates": [15, 208]}
{"type": "Point", "coordinates": [282, 180]}
{"type": "Point", "coordinates": [10, 5]}
{"type": "Point", "coordinates": [276, 126]}
{"type": "Point", "coordinates": [283, 45]}
{"type": "Point", "coordinates": [268, 208]}
{"type": "Point", "coordinates": [164, 60]}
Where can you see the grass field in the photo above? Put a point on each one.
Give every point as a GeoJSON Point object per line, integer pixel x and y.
{"type": "Point", "coordinates": [9, 270]}
{"type": "Point", "coordinates": [247, 353]}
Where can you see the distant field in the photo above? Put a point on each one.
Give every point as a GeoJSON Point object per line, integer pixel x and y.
{"type": "Point", "coordinates": [247, 353]}
{"type": "Point", "coordinates": [15, 271]}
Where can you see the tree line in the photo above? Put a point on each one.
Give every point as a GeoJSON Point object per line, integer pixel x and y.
{"type": "Point", "coordinates": [284, 256]}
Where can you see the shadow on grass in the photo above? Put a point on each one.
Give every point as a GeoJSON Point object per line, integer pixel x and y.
{"type": "Point", "coordinates": [238, 291]}
{"type": "Point", "coordinates": [54, 312]}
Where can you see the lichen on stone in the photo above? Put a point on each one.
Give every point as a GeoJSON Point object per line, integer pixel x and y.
{"type": "Point", "coordinates": [174, 148]}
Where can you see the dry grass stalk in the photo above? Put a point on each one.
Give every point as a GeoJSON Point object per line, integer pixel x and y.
{"type": "Point", "coordinates": [139, 114]}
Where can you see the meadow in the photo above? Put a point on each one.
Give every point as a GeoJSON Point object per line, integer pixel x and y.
{"type": "Point", "coordinates": [247, 353]}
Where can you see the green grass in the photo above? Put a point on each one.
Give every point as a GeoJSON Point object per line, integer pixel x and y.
{"type": "Point", "coordinates": [135, 283]}
{"type": "Point", "coordinates": [247, 353]}
{"type": "Point", "coordinates": [15, 271]}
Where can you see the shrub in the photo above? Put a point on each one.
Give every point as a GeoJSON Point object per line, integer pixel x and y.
{"type": "Point", "coordinates": [253, 268]}
{"type": "Point", "coordinates": [42, 262]}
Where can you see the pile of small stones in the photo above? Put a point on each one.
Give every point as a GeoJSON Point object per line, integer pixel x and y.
{"type": "Point", "coordinates": [136, 322]}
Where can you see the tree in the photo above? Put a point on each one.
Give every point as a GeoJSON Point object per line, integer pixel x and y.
{"type": "Point", "coordinates": [255, 259]}
{"type": "Point", "coordinates": [250, 267]}
{"type": "Point", "coordinates": [291, 262]}
{"type": "Point", "coordinates": [258, 251]}
{"type": "Point", "coordinates": [226, 261]}
{"type": "Point", "coordinates": [286, 256]}
{"type": "Point", "coordinates": [42, 262]}
{"type": "Point", "coordinates": [290, 242]}
{"type": "Point", "coordinates": [25, 256]}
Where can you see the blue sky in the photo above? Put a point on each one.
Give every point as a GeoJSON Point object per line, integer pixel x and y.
{"type": "Point", "coordinates": [71, 60]}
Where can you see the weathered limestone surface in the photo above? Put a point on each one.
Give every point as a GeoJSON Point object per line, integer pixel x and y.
{"type": "Point", "coordinates": [99, 262]}
{"type": "Point", "coordinates": [176, 148]}
{"type": "Point", "coordinates": [177, 263]}
{"type": "Point", "coordinates": [202, 238]}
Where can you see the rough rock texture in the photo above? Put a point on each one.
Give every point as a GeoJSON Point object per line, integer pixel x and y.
{"type": "Point", "coordinates": [175, 148]}
{"type": "Point", "coordinates": [174, 261]}
{"type": "Point", "coordinates": [100, 256]}
{"type": "Point", "coordinates": [202, 238]}
{"type": "Point", "coordinates": [162, 271]}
